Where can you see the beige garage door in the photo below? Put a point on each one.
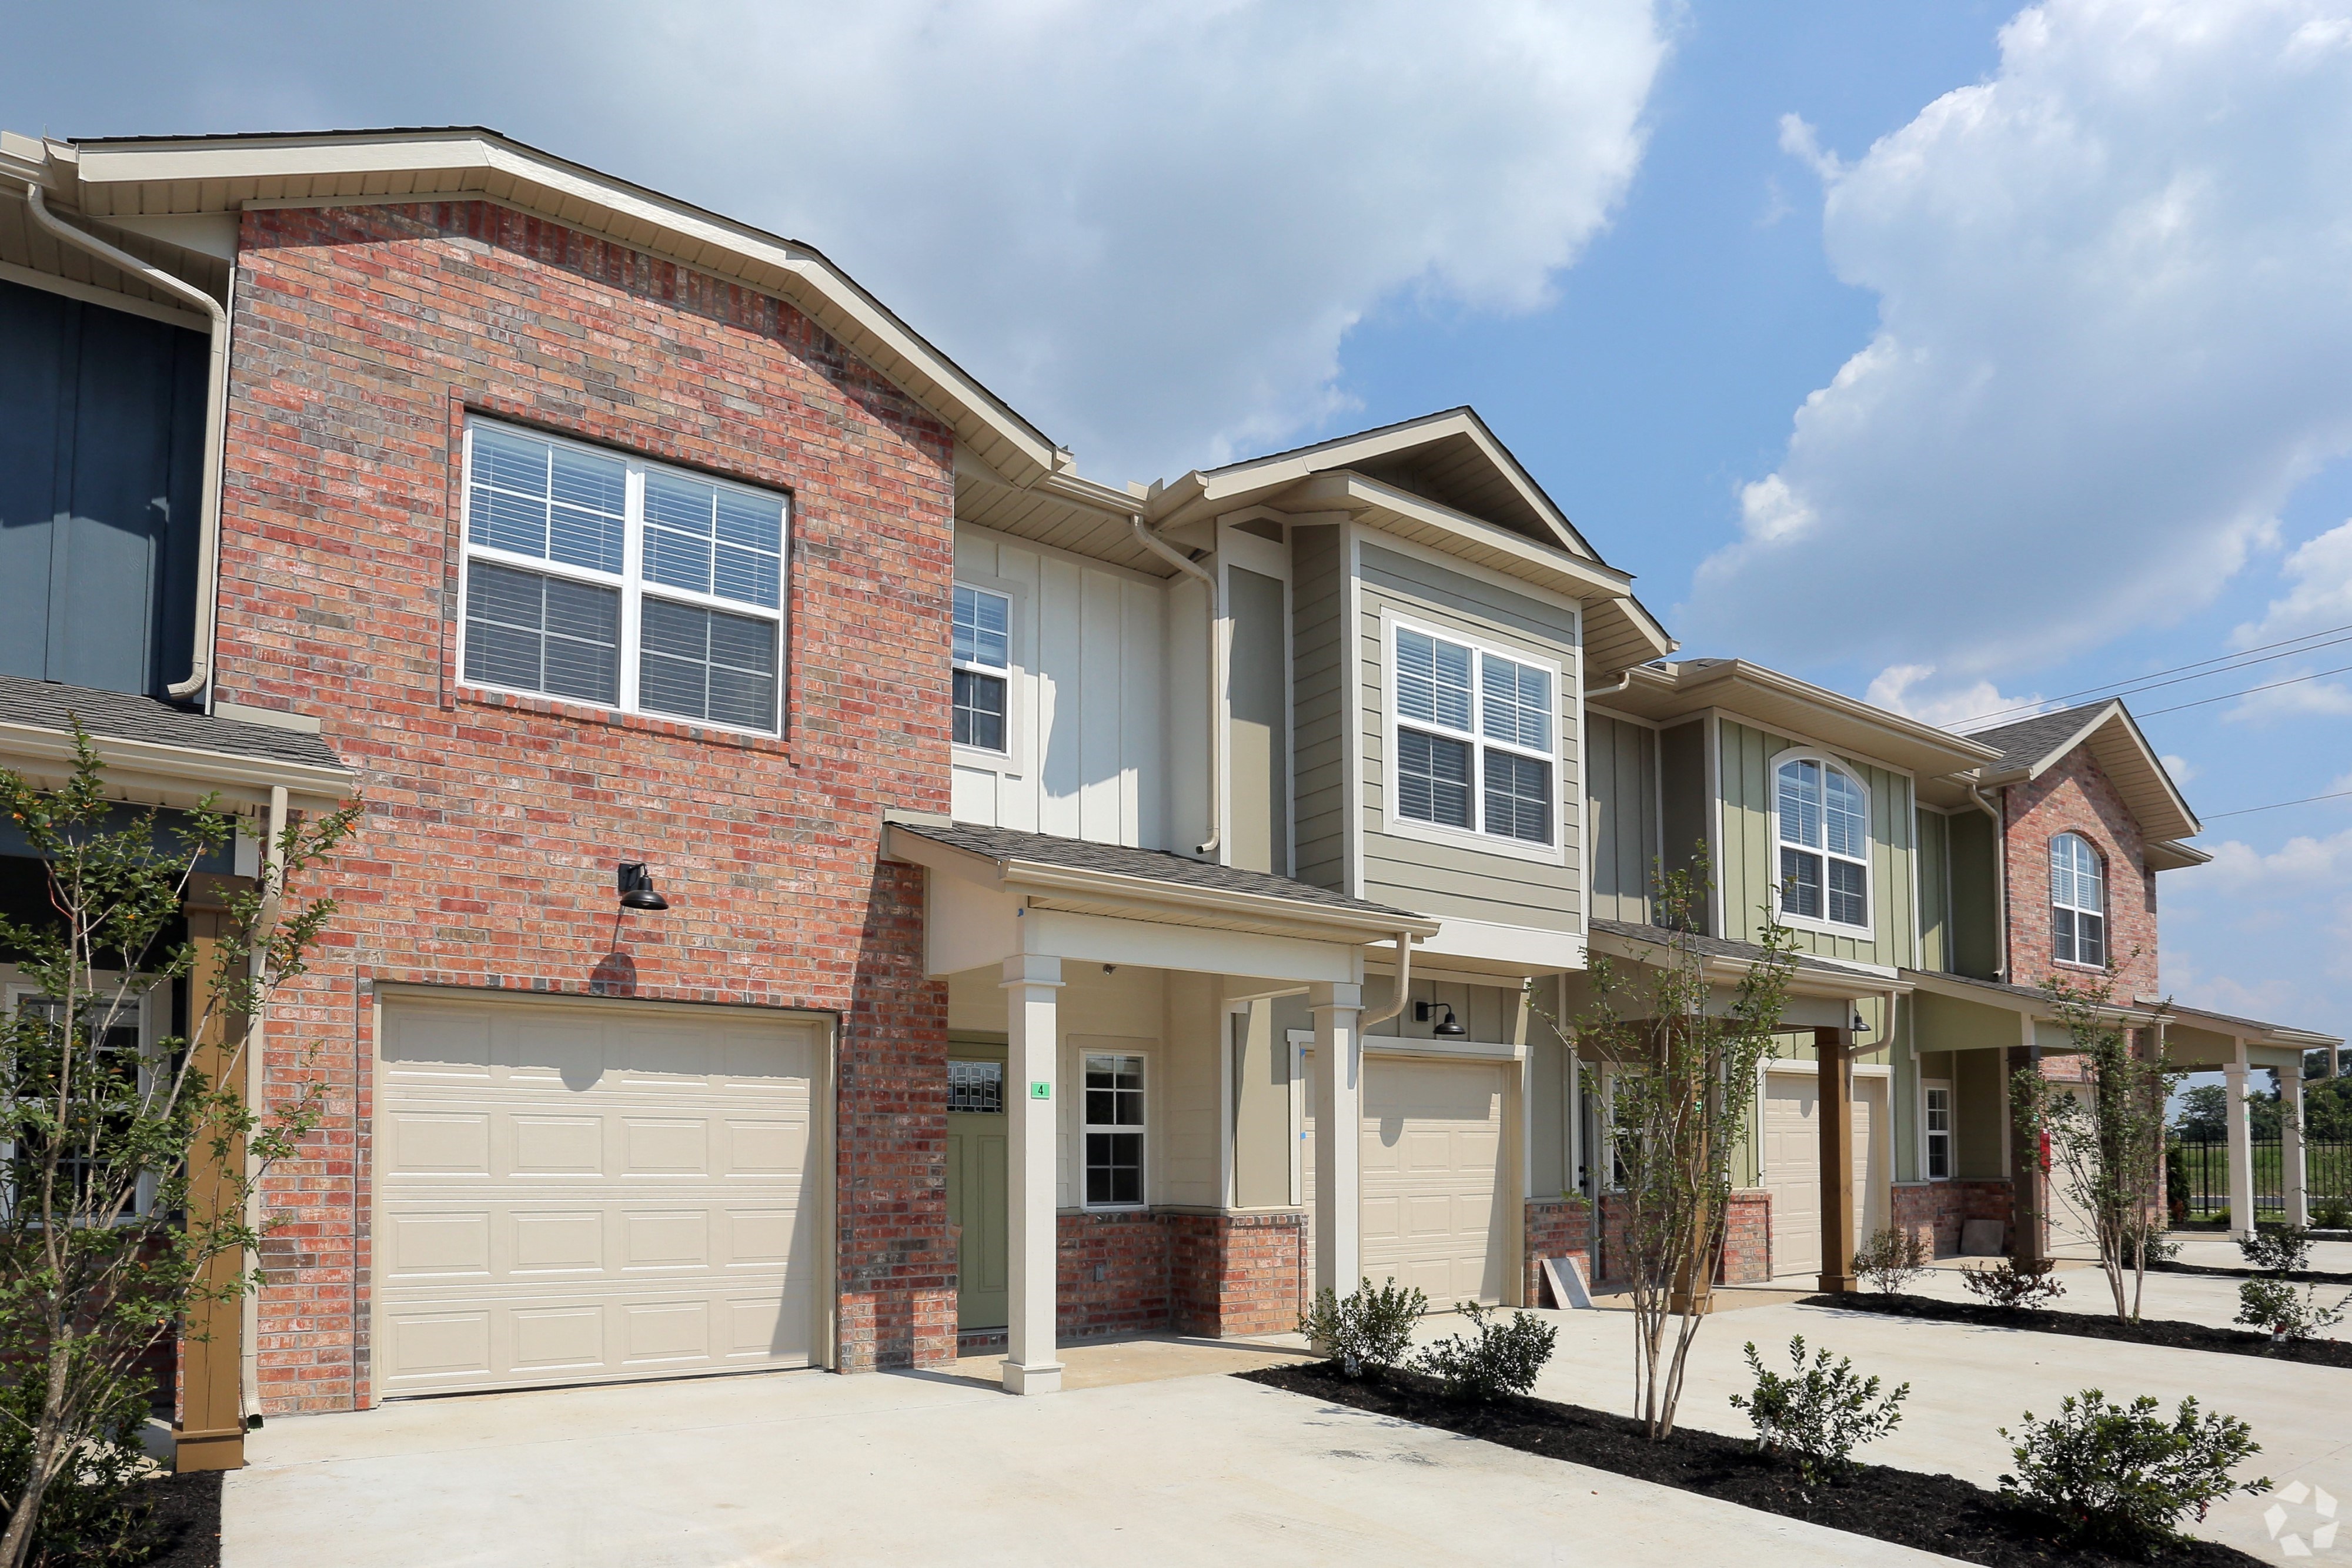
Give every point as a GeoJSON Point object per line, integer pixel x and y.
{"type": "Point", "coordinates": [1793, 1166]}
{"type": "Point", "coordinates": [1434, 1188]}
{"type": "Point", "coordinates": [583, 1191]}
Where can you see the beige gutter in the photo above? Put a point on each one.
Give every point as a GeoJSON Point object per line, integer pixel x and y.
{"type": "Point", "coordinates": [200, 665]}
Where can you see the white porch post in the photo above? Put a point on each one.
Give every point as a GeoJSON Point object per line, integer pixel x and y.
{"type": "Point", "coordinates": [1339, 1136]}
{"type": "Point", "coordinates": [1030, 982]}
{"type": "Point", "coordinates": [2242, 1147]}
{"type": "Point", "coordinates": [2295, 1185]}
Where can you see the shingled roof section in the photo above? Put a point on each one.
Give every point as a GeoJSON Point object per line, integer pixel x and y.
{"type": "Point", "coordinates": [118, 715]}
{"type": "Point", "coordinates": [1718, 946]}
{"type": "Point", "coordinates": [2029, 740]}
{"type": "Point", "coordinates": [1156, 865]}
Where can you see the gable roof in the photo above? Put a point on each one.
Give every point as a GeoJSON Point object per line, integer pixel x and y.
{"type": "Point", "coordinates": [2030, 747]}
{"type": "Point", "coordinates": [113, 179]}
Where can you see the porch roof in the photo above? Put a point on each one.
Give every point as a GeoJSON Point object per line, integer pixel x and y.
{"type": "Point", "coordinates": [163, 754]}
{"type": "Point", "coordinates": [1816, 975]}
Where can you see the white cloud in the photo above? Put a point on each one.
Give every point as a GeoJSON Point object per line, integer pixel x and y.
{"type": "Point", "coordinates": [2115, 308]}
{"type": "Point", "coordinates": [2181, 767]}
{"type": "Point", "coordinates": [2264, 934]}
{"type": "Point", "coordinates": [2320, 595]}
{"type": "Point", "coordinates": [1913, 690]}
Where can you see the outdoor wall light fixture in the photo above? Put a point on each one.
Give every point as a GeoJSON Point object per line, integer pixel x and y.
{"type": "Point", "coordinates": [1860, 1027]}
{"type": "Point", "coordinates": [637, 887]}
{"type": "Point", "coordinates": [1451, 1028]}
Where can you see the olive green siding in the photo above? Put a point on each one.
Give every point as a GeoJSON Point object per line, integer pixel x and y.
{"type": "Point", "coordinates": [1621, 802]}
{"type": "Point", "coordinates": [1257, 701]}
{"type": "Point", "coordinates": [1746, 861]}
{"type": "Point", "coordinates": [1461, 880]}
{"type": "Point", "coordinates": [1684, 801]}
{"type": "Point", "coordinates": [1934, 832]}
{"type": "Point", "coordinates": [1976, 904]}
{"type": "Point", "coordinates": [1978, 1107]}
{"type": "Point", "coordinates": [1319, 698]}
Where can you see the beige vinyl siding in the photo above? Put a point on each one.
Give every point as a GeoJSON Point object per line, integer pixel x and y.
{"type": "Point", "coordinates": [1444, 879]}
{"type": "Point", "coordinates": [1257, 704]}
{"type": "Point", "coordinates": [1622, 785]}
{"type": "Point", "coordinates": [1934, 834]}
{"type": "Point", "coordinates": [1745, 868]}
{"type": "Point", "coordinates": [1318, 697]}
{"type": "Point", "coordinates": [1684, 799]}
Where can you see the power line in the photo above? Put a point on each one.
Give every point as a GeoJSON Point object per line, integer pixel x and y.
{"type": "Point", "coordinates": [2277, 805]}
{"type": "Point", "coordinates": [2250, 691]}
{"type": "Point", "coordinates": [2150, 682]}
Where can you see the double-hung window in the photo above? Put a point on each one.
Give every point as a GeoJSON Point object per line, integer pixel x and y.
{"type": "Point", "coordinates": [2078, 902]}
{"type": "Point", "coordinates": [606, 580]}
{"type": "Point", "coordinates": [1938, 1129]}
{"type": "Point", "coordinates": [1114, 1130]}
{"type": "Point", "coordinates": [1825, 842]}
{"type": "Point", "coordinates": [111, 1057]}
{"type": "Point", "coordinates": [984, 664]}
{"type": "Point", "coordinates": [1474, 739]}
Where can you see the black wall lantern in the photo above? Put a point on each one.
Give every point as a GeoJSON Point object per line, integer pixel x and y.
{"type": "Point", "coordinates": [637, 887]}
{"type": "Point", "coordinates": [1451, 1028]}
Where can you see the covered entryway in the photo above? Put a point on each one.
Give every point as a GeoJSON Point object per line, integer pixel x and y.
{"type": "Point", "coordinates": [1434, 1186]}
{"type": "Point", "coordinates": [1792, 1163]}
{"type": "Point", "coordinates": [579, 1191]}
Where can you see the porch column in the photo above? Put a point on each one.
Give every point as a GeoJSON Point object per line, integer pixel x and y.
{"type": "Point", "coordinates": [1030, 983]}
{"type": "Point", "coordinates": [1832, 1050]}
{"type": "Point", "coordinates": [2242, 1147]}
{"type": "Point", "coordinates": [2029, 1172]}
{"type": "Point", "coordinates": [1339, 1136]}
{"type": "Point", "coordinates": [2296, 1181]}
{"type": "Point", "coordinates": [210, 1433]}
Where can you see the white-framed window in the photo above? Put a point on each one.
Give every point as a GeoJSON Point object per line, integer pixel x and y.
{"type": "Point", "coordinates": [1114, 1129]}
{"type": "Point", "coordinates": [1473, 740]}
{"type": "Point", "coordinates": [976, 1087]}
{"type": "Point", "coordinates": [120, 1044]}
{"type": "Point", "coordinates": [1821, 817]}
{"type": "Point", "coordinates": [2078, 902]}
{"type": "Point", "coordinates": [606, 580]}
{"type": "Point", "coordinates": [984, 667]}
{"type": "Point", "coordinates": [1935, 1127]}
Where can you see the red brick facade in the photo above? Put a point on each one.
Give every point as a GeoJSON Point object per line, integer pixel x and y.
{"type": "Point", "coordinates": [1556, 1228]}
{"type": "Point", "coordinates": [363, 338]}
{"type": "Point", "coordinates": [1939, 1210]}
{"type": "Point", "coordinates": [2075, 796]}
{"type": "Point", "coordinates": [1152, 1272]}
{"type": "Point", "coordinates": [1747, 1256]}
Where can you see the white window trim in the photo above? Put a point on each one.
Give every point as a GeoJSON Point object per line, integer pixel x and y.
{"type": "Point", "coordinates": [1868, 929]}
{"type": "Point", "coordinates": [994, 757]}
{"type": "Point", "coordinates": [1142, 1130]}
{"type": "Point", "coordinates": [15, 988]}
{"type": "Point", "coordinates": [1013, 761]}
{"type": "Point", "coordinates": [630, 580]}
{"type": "Point", "coordinates": [2106, 925]}
{"type": "Point", "coordinates": [1397, 825]}
{"type": "Point", "coordinates": [1951, 1131]}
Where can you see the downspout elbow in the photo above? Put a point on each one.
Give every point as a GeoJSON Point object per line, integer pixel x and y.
{"type": "Point", "coordinates": [1365, 1022]}
{"type": "Point", "coordinates": [1190, 568]}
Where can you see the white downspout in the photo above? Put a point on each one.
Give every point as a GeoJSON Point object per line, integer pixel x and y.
{"type": "Point", "coordinates": [216, 421]}
{"type": "Point", "coordinates": [1187, 565]}
{"type": "Point", "coordinates": [255, 1090]}
{"type": "Point", "coordinates": [1999, 876]}
{"type": "Point", "coordinates": [1364, 1022]}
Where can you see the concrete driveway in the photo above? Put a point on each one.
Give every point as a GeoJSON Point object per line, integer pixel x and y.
{"type": "Point", "coordinates": [912, 1468]}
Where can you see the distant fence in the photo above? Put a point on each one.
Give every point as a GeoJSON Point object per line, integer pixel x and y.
{"type": "Point", "coordinates": [2328, 1172]}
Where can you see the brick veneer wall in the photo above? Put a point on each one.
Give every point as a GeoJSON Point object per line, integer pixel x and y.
{"type": "Point", "coordinates": [1144, 1272]}
{"type": "Point", "coordinates": [2077, 796]}
{"type": "Point", "coordinates": [362, 336]}
{"type": "Point", "coordinates": [1746, 1255]}
{"type": "Point", "coordinates": [1556, 1228]}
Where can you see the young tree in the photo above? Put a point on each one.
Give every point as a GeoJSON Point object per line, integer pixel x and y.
{"type": "Point", "coordinates": [2106, 1144]}
{"type": "Point", "coordinates": [1686, 1068]}
{"type": "Point", "coordinates": [100, 1254]}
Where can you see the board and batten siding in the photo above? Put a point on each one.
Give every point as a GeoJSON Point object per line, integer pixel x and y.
{"type": "Point", "coordinates": [1621, 805]}
{"type": "Point", "coordinates": [1318, 704]}
{"type": "Point", "coordinates": [1934, 834]}
{"type": "Point", "coordinates": [1745, 861]}
{"type": "Point", "coordinates": [1086, 746]}
{"type": "Point", "coordinates": [1444, 879]}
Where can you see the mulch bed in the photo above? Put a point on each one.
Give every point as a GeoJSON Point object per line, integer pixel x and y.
{"type": "Point", "coordinates": [2085, 1325]}
{"type": "Point", "coordinates": [2218, 1271]}
{"type": "Point", "coordinates": [1932, 1513]}
{"type": "Point", "coordinates": [187, 1520]}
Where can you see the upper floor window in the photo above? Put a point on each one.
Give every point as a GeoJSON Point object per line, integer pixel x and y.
{"type": "Point", "coordinates": [2078, 902]}
{"type": "Point", "coordinates": [983, 658]}
{"type": "Point", "coordinates": [627, 584]}
{"type": "Point", "coordinates": [1823, 832]}
{"type": "Point", "coordinates": [1474, 739]}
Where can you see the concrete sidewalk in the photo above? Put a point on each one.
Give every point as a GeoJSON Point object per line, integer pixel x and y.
{"type": "Point", "coordinates": [915, 1468]}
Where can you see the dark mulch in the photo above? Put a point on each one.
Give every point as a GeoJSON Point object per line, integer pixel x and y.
{"type": "Point", "coordinates": [2085, 1325]}
{"type": "Point", "coordinates": [2217, 1271]}
{"type": "Point", "coordinates": [187, 1518]}
{"type": "Point", "coordinates": [1932, 1513]}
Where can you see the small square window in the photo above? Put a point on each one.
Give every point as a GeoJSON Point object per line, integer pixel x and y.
{"type": "Point", "coordinates": [976, 1088]}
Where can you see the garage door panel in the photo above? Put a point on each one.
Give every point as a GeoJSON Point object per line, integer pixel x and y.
{"type": "Point", "coordinates": [671, 1330]}
{"type": "Point", "coordinates": [666, 1147]}
{"type": "Point", "coordinates": [438, 1247]}
{"type": "Point", "coordinates": [759, 1237]}
{"type": "Point", "coordinates": [767, 1148]}
{"type": "Point", "coordinates": [559, 1339]}
{"type": "Point", "coordinates": [551, 1242]}
{"type": "Point", "coordinates": [558, 1145]}
{"type": "Point", "coordinates": [452, 1143]}
{"type": "Point", "coordinates": [438, 1346]}
{"type": "Point", "coordinates": [1432, 1205]}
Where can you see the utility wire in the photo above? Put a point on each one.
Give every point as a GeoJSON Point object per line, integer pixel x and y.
{"type": "Point", "coordinates": [2277, 805]}
{"type": "Point", "coordinates": [2250, 691]}
{"type": "Point", "coordinates": [2151, 681]}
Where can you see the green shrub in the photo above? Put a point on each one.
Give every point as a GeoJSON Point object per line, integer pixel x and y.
{"type": "Point", "coordinates": [1892, 1259]}
{"type": "Point", "coordinates": [2276, 1305]}
{"type": "Point", "coordinates": [2006, 1285]}
{"type": "Point", "coordinates": [93, 1514]}
{"type": "Point", "coordinates": [2280, 1249]}
{"type": "Point", "coordinates": [1819, 1414]}
{"type": "Point", "coordinates": [2332, 1213]}
{"type": "Point", "coordinates": [1496, 1358]}
{"type": "Point", "coordinates": [1367, 1328]}
{"type": "Point", "coordinates": [2119, 1477]}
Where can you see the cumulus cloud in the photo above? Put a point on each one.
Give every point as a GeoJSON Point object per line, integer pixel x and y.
{"type": "Point", "coordinates": [2181, 767]}
{"type": "Point", "coordinates": [2114, 287]}
{"type": "Point", "coordinates": [1913, 691]}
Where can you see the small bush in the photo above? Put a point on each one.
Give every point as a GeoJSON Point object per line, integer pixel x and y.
{"type": "Point", "coordinates": [2006, 1285]}
{"type": "Point", "coordinates": [1819, 1414]}
{"type": "Point", "coordinates": [2287, 1312]}
{"type": "Point", "coordinates": [2121, 1477]}
{"type": "Point", "coordinates": [2333, 1214]}
{"type": "Point", "coordinates": [2161, 1248]}
{"type": "Point", "coordinates": [1892, 1259]}
{"type": "Point", "coordinates": [2280, 1249]}
{"type": "Point", "coordinates": [2175, 1184]}
{"type": "Point", "coordinates": [1367, 1328]}
{"type": "Point", "coordinates": [1495, 1359]}
{"type": "Point", "coordinates": [94, 1513]}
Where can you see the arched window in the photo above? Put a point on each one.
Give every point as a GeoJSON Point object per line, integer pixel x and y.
{"type": "Point", "coordinates": [2078, 902]}
{"type": "Point", "coordinates": [1822, 821]}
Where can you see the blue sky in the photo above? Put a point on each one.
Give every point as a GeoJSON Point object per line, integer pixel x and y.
{"type": "Point", "coordinates": [1945, 353]}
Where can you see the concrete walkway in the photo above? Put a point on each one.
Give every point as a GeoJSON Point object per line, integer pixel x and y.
{"type": "Point", "coordinates": [912, 1468]}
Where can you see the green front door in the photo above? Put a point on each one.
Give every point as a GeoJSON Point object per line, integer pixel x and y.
{"type": "Point", "coordinates": [976, 1191]}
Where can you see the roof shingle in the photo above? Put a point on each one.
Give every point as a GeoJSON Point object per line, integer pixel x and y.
{"type": "Point", "coordinates": [119, 715]}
